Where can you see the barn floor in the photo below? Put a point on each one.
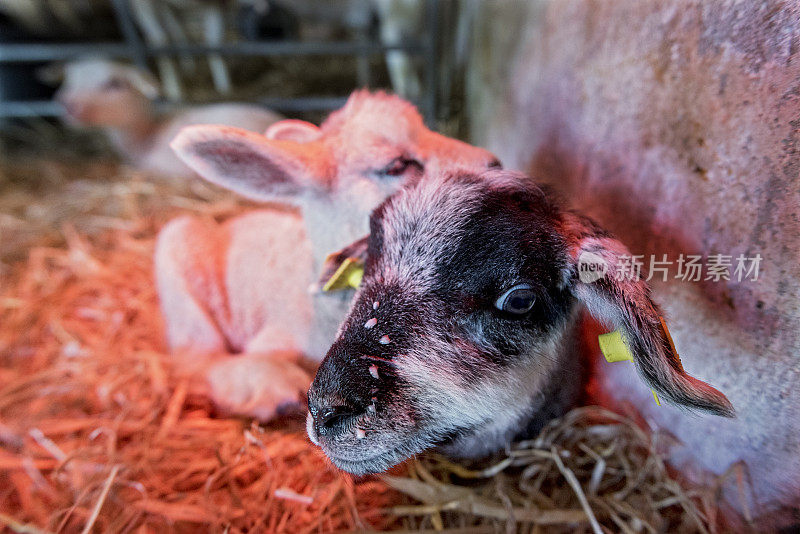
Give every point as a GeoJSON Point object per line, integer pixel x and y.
{"type": "Point", "coordinates": [98, 435]}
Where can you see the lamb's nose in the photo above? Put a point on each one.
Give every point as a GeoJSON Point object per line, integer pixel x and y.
{"type": "Point", "coordinates": [331, 420]}
{"type": "Point", "coordinates": [333, 417]}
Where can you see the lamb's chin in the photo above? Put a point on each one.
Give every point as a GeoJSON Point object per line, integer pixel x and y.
{"type": "Point", "coordinates": [379, 462]}
{"type": "Point", "coordinates": [375, 464]}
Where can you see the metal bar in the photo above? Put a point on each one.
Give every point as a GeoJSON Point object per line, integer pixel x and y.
{"type": "Point", "coordinates": [48, 108]}
{"type": "Point", "coordinates": [282, 48]}
{"type": "Point", "coordinates": [431, 63]}
{"type": "Point", "coordinates": [33, 52]}
{"type": "Point", "coordinates": [362, 63]}
{"type": "Point", "coordinates": [11, 53]}
{"type": "Point", "coordinates": [136, 47]}
{"type": "Point", "coordinates": [34, 108]}
{"type": "Point", "coordinates": [316, 103]}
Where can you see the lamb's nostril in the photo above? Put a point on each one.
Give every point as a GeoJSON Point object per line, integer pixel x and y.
{"type": "Point", "coordinates": [333, 418]}
{"type": "Point", "coordinates": [495, 164]}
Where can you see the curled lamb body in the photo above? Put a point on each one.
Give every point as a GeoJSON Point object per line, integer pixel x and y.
{"type": "Point", "coordinates": [242, 287]}
{"type": "Point", "coordinates": [118, 99]}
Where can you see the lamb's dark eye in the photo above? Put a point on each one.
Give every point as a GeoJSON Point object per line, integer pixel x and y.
{"type": "Point", "coordinates": [517, 300]}
{"type": "Point", "coordinates": [399, 166]}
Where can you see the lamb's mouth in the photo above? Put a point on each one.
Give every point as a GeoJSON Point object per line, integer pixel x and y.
{"type": "Point", "coordinates": [377, 463]}
{"type": "Point", "coordinates": [409, 446]}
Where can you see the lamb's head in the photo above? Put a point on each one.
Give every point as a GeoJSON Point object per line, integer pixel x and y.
{"type": "Point", "coordinates": [103, 93]}
{"type": "Point", "coordinates": [337, 172]}
{"type": "Point", "coordinates": [460, 326]}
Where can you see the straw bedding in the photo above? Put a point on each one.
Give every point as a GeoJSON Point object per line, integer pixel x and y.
{"type": "Point", "coordinates": [98, 435]}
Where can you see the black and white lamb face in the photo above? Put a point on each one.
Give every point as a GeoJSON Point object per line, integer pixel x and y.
{"type": "Point", "coordinates": [461, 330]}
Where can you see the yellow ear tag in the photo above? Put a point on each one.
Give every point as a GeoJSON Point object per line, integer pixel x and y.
{"type": "Point", "coordinates": [349, 274]}
{"type": "Point", "coordinates": [613, 347]}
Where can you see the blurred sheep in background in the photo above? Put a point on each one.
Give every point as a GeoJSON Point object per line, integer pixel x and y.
{"type": "Point", "coordinates": [119, 98]}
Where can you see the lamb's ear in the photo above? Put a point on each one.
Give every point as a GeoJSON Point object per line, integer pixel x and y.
{"type": "Point", "coordinates": [343, 269]}
{"type": "Point", "coordinates": [599, 280]}
{"type": "Point", "coordinates": [293, 130]}
{"type": "Point", "coordinates": [249, 163]}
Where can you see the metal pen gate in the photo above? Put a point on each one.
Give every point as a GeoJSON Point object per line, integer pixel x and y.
{"type": "Point", "coordinates": [135, 49]}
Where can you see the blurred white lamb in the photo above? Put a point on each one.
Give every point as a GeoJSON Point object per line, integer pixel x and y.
{"type": "Point", "coordinates": [242, 287]}
{"type": "Point", "coordinates": [119, 98]}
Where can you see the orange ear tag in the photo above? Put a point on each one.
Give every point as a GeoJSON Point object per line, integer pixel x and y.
{"type": "Point", "coordinates": [613, 347]}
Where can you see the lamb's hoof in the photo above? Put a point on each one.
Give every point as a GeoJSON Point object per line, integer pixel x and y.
{"type": "Point", "coordinates": [258, 386]}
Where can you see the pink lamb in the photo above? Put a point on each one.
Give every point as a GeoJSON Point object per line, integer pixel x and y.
{"type": "Point", "coordinates": [242, 288]}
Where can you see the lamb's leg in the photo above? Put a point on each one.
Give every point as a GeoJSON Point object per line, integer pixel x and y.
{"type": "Point", "coordinates": [258, 385]}
{"type": "Point", "coordinates": [198, 292]}
{"type": "Point", "coordinates": [187, 280]}
{"type": "Point", "coordinates": [264, 381]}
